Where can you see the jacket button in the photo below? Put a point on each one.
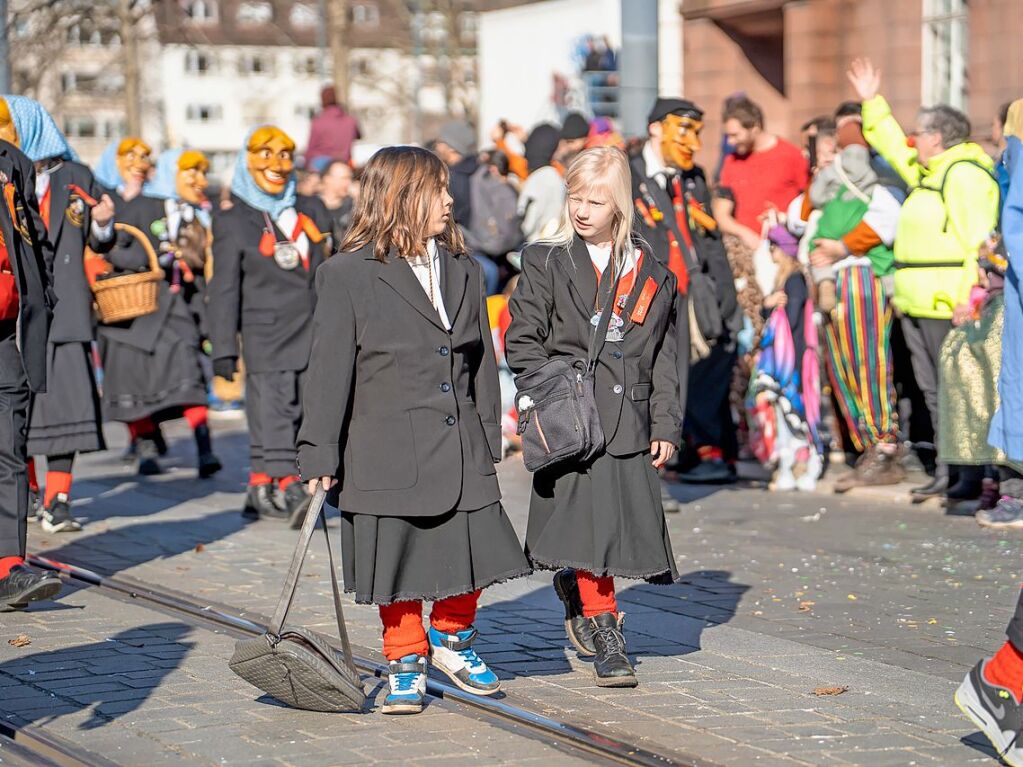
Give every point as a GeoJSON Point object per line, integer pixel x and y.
{"type": "Point", "coordinates": [617, 389]}
{"type": "Point", "coordinates": [450, 420]}
{"type": "Point", "coordinates": [442, 351]}
{"type": "Point", "coordinates": [445, 387]}
{"type": "Point", "coordinates": [616, 354]}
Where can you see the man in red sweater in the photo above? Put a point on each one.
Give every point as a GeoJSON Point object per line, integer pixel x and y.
{"type": "Point", "coordinates": [765, 172]}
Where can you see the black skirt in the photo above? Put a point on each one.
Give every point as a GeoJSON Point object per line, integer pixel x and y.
{"type": "Point", "coordinates": [138, 384]}
{"type": "Point", "coordinates": [605, 518]}
{"type": "Point", "coordinates": [400, 559]}
{"type": "Point", "coordinates": [66, 419]}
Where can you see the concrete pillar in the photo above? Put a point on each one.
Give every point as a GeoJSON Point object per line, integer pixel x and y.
{"type": "Point", "coordinates": [638, 64]}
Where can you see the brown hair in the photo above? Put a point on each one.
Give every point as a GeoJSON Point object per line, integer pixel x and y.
{"type": "Point", "coordinates": [397, 187]}
{"type": "Point", "coordinates": [746, 112]}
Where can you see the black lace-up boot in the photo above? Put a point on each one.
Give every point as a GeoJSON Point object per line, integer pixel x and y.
{"type": "Point", "coordinates": [611, 666]}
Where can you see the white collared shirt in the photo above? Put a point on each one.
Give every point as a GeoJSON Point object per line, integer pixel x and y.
{"type": "Point", "coordinates": [655, 169]}
{"type": "Point", "coordinates": [601, 256]}
{"type": "Point", "coordinates": [287, 222]}
{"type": "Point", "coordinates": [422, 269]}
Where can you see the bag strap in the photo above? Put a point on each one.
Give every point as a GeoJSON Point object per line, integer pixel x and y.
{"type": "Point", "coordinates": [600, 333]}
{"type": "Point", "coordinates": [314, 512]}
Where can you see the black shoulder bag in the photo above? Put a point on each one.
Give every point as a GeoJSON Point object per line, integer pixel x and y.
{"type": "Point", "coordinates": [558, 419]}
{"type": "Point", "coordinates": [292, 664]}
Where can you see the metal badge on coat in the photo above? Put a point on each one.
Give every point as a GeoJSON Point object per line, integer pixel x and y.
{"type": "Point", "coordinates": [287, 255]}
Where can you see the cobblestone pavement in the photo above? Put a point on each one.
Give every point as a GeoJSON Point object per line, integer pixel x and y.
{"type": "Point", "coordinates": [781, 595]}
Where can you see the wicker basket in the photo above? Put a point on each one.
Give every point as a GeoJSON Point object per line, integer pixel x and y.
{"type": "Point", "coordinates": [129, 295]}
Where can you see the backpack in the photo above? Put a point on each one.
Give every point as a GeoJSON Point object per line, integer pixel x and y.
{"type": "Point", "coordinates": [495, 227]}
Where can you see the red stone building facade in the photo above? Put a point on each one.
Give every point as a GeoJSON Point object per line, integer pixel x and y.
{"type": "Point", "coordinates": [791, 56]}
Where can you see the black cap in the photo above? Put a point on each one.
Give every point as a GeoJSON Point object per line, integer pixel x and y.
{"type": "Point", "coordinates": [541, 146]}
{"type": "Point", "coordinates": [681, 107]}
{"type": "Point", "coordinates": [575, 126]}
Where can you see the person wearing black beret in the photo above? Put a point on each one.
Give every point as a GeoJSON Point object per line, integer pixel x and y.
{"type": "Point", "coordinates": [673, 213]}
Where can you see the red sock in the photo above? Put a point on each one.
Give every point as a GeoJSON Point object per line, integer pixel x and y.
{"type": "Point", "coordinates": [455, 614]}
{"type": "Point", "coordinates": [403, 630]}
{"type": "Point", "coordinates": [196, 416]}
{"type": "Point", "coordinates": [1006, 670]}
{"type": "Point", "coordinates": [259, 478]}
{"type": "Point", "coordinates": [710, 453]}
{"type": "Point", "coordinates": [6, 563]}
{"type": "Point", "coordinates": [56, 482]}
{"type": "Point", "coordinates": [33, 481]}
{"type": "Point", "coordinates": [597, 594]}
{"type": "Point", "coordinates": [283, 482]}
{"type": "Point", "coordinates": [143, 427]}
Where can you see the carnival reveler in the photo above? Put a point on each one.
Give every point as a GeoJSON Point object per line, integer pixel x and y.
{"type": "Point", "coordinates": [402, 420]}
{"type": "Point", "coordinates": [66, 419]}
{"type": "Point", "coordinates": [124, 167]}
{"type": "Point", "coordinates": [151, 366]}
{"type": "Point", "coordinates": [266, 248]}
{"type": "Point", "coordinates": [672, 205]}
{"type": "Point", "coordinates": [26, 260]}
{"type": "Point", "coordinates": [603, 518]}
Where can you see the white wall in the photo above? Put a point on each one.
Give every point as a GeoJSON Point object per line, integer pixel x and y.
{"type": "Point", "coordinates": [669, 48]}
{"type": "Point", "coordinates": [521, 48]}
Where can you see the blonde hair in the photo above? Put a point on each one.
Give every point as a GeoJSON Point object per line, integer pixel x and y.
{"type": "Point", "coordinates": [606, 170]}
{"type": "Point", "coordinates": [398, 185]}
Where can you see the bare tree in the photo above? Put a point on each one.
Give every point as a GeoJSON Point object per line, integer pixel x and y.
{"type": "Point", "coordinates": [337, 31]}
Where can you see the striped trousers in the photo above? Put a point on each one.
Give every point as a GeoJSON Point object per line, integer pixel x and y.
{"type": "Point", "coordinates": [858, 341]}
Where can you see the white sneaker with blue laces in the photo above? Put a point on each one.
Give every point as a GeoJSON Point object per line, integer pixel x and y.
{"type": "Point", "coordinates": [453, 654]}
{"type": "Point", "coordinates": [406, 679]}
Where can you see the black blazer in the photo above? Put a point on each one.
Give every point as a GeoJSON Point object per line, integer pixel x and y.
{"type": "Point", "coordinates": [405, 413]}
{"type": "Point", "coordinates": [69, 233]}
{"type": "Point", "coordinates": [248, 293]}
{"type": "Point", "coordinates": [31, 258]}
{"type": "Point", "coordinates": [637, 380]}
{"type": "Point", "coordinates": [709, 247]}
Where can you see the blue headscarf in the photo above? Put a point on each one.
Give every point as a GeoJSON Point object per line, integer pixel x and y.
{"type": "Point", "coordinates": [106, 171]}
{"type": "Point", "coordinates": [38, 135]}
{"type": "Point", "coordinates": [163, 184]}
{"type": "Point", "coordinates": [245, 187]}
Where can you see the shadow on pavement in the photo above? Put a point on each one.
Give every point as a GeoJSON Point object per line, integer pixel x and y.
{"type": "Point", "coordinates": [109, 679]}
{"type": "Point", "coordinates": [121, 548]}
{"type": "Point", "coordinates": [526, 636]}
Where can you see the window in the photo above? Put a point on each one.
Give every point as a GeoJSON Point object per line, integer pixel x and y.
{"type": "Point", "coordinates": [429, 27]}
{"type": "Point", "coordinates": [307, 64]}
{"type": "Point", "coordinates": [945, 42]}
{"type": "Point", "coordinates": [254, 13]}
{"type": "Point", "coordinates": [80, 127]}
{"type": "Point", "coordinates": [361, 67]}
{"type": "Point", "coordinates": [366, 15]}
{"type": "Point", "coordinates": [87, 33]}
{"type": "Point", "coordinates": [197, 62]}
{"type": "Point", "coordinates": [304, 16]}
{"type": "Point", "coordinates": [254, 64]}
{"type": "Point", "coordinates": [202, 11]}
{"type": "Point", "coordinates": [203, 113]}
{"type": "Point", "coordinates": [305, 111]}
{"type": "Point", "coordinates": [92, 84]}
{"type": "Point", "coordinates": [468, 25]}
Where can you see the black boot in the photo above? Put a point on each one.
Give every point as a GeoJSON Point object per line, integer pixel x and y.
{"type": "Point", "coordinates": [611, 667]}
{"type": "Point", "coordinates": [160, 441]}
{"type": "Point", "coordinates": [296, 503]}
{"type": "Point", "coordinates": [209, 464]}
{"type": "Point", "coordinates": [937, 486]}
{"type": "Point", "coordinates": [259, 502]}
{"type": "Point", "coordinates": [147, 454]}
{"type": "Point", "coordinates": [23, 585]}
{"type": "Point", "coordinates": [579, 629]}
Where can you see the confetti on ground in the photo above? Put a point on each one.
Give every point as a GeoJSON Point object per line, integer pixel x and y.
{"type": "Point", "coordinates": [199, 548]}
{"type": "Point", "coordinates": [21, 640]}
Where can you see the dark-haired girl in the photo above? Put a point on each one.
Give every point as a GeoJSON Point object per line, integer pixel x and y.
{"type": "Point", "coordinates": [402, 422]}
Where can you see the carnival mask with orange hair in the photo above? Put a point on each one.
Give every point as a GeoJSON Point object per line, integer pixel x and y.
{"type": "Point", "coordinates": [270, 158]}
{"type": "Point", "coordinates": [7, 130]}
{"type": "Point", "coordinates": [680, 140]}
{"type": "Point", "coordinates": [191, 181]}
{"type": "Point", "coordinates": [134, 159]}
